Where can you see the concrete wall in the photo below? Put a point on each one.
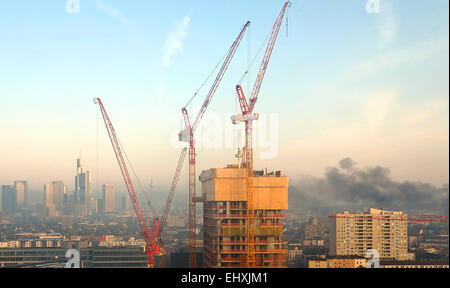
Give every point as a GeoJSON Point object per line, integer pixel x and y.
{"type": "Point", "coordinates": [229, 184]}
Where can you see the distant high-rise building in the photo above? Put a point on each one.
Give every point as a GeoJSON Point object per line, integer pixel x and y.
{"type": "Point", "coordinates": [101, 207]}
{"type": "Point", "coordinates": [355, 233]}
{"type": "Point", "coordinates": [49, 195]}
{"type": "Point", "coordinates": [83, 188]}
{"type": "Point", "coordinates": [9, 199]}
{"type": "Point", "coordinates": [126, 203]}
{"type": "Point", "coordinates": [314, 230]}
{"type": "Point", "coordinates": [108, 198]}
{"type": "Point", "coordinates": [123, 203]}
{"type": "Point", "coordinates": [49, 200]}
{"type": "Point", "coordinates": [94, 207]}
{"type": "Point", "coordinates": [22, 193]}
{"type": "Point", "coordinates": [59, 192]}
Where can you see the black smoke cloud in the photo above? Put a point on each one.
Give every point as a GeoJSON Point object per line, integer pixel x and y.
{"type": "Point", "coordinates": [352, 188]}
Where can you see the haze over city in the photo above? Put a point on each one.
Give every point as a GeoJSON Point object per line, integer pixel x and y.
{"type": "Point", "coordinates": [379, 97]}
{"type": "Point", "coordinates": [224, 134]}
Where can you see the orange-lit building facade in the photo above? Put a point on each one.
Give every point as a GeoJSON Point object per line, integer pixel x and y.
{"type": "Point", "coordinates": [224, 191]}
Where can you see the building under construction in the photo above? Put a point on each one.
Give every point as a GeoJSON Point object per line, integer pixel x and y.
{"type": "Point", "coordinates": [224, 192]}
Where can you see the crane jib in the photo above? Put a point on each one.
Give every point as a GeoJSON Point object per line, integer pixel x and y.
{"type": "Point", "coordinates": [151, 245]}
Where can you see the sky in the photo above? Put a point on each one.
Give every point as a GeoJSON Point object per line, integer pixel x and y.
{"type": "Point", "coordinates": [341, 82]}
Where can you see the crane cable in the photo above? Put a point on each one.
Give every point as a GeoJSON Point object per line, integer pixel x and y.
{"type": "Point", "coordinates": [97, 161]}
{"type": "Point", "coordinates": [129, 163]}
{"type": "Point", "coordinates": [254, 59]}
{"type": "Point", "coordinates": [209, 76]}
{"type": "Point", "coordinates": [287, 23]}
{"type": "Point", "coordinates": [260, 48]}
{"type": "Point", "coordinates": [137, 178]}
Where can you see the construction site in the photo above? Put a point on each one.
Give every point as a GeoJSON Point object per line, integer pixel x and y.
{"type": "Point", "coordinates": [225, 217]}
{"type": "Point", "coordinates": [262, 137]}
{"type": "Point", "coordinates": [242, 207]}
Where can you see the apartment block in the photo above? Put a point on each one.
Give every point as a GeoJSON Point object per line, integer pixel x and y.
{"type": "Point", "coordinates": [224, 217]}
{"type": "Point", "coordinates": [356, 233]}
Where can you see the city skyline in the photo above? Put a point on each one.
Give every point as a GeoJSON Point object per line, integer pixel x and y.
{"type": "Point", "coordinates": [384, 101]}
{"type": "Point", "coordinates": [143, 135]}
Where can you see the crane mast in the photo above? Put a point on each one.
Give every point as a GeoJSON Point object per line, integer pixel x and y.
{"type": "Point", "coordinates": [248, 117]}
{"type": "Point", "coordinates": [187, 135]}
{"type": "Point", "coordinates": [149, 237]}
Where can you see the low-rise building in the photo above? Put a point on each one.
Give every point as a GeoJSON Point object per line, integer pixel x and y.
{"type": "Point", "coordinates": [413, 264]}
{"type": "Point", "coordinates": [92, 257]}
{"type": "Point", "coordinates": [338, 262]}
{"type": "Point", "coordinates": [318, 263]}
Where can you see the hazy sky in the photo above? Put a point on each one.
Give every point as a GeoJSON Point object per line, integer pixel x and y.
{"type": "Point", "coordinates": [342, 83]}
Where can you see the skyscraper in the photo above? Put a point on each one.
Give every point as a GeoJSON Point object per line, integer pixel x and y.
{"type": "Point", "coordinates": [59, 193]}
{"type": "Point", "coordinates": [22, 193]}
{"type": "Point", "coordinates": [108, 198]}
{"type": "Point", "coordinates": [49, 200]}
{"type": "Point", "coordinates": [49, 194]}
{"type": "Point", "coordinates": [83, 184]}
{"type": "Point", "coordinates": [9, 199]}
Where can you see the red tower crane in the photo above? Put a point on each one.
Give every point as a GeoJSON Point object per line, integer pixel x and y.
{"type": "Point", "coordinates": [248, 117]}
{"type": "Point", "coordinates": [187, 135]}
{"type": "Point", "coordinates": [149, 237]}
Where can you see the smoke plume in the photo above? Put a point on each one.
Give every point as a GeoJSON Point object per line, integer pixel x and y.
{"type": "Point", "coordinates": [352, 188]}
